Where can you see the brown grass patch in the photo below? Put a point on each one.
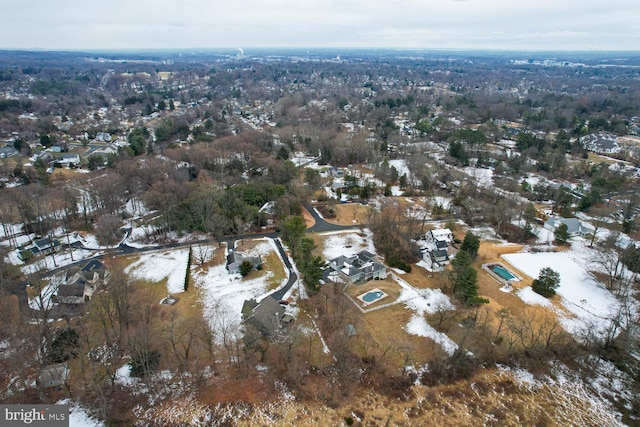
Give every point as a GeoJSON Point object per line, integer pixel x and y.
{"type": "Point", "coordinates": [422, 278]}
{"type": "Point", "coordinates": [273, 264]}
{"type": "Point", "coordinates": [350, 214]}
{"type": "Point", "coordinates": [308, 219]}
{"type": "Point", "coordinates": [385, 327]}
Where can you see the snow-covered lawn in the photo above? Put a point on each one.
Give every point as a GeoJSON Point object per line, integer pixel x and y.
{"type": "Point", "coordinates": [140, 234]}
{"type": "Point", "coordinates": [18, 240]}
{"type": "Point", "coordinates": [401, 167]}
{"type": "Point", "coordinates": [532, 298]}
{"type": "Point", "coordinates": [90, 241]}
{"type": "Point", "coordinates": [12, 229]}
{"type": "Point", "coordinates": [157, 266]}
{"type": "Point", "coordinates": [346, 243]}
{"type": "Point", "coordinates": [422, 302]}
{"type": "Point", "coordinates": [443, 202]}
{"type": "Point", "coordinates": [592, 305]}
{"type": "Point", "coordinates": [44, 300]}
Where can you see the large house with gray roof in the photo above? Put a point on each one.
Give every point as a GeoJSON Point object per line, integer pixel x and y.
{"type": "Point", "coordinates": [601, 143]}
{"type": "Point", "coordinates": [358, 268]}
{"type": "Point", "coordinates": [575, 227]}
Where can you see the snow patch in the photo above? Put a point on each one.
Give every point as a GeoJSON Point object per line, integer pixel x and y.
{"type": "Point", "coordinates": [159, 266]}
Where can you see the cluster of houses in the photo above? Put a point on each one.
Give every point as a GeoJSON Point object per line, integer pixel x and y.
{"type": "Point", "coordinates": [269, 316]}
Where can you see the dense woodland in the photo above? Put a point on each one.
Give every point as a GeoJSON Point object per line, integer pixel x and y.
{"type": "Point", "coordinates": [204, 141]}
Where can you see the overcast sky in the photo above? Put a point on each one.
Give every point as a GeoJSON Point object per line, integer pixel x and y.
{"type": "Point", "coordinates": [461, 24]}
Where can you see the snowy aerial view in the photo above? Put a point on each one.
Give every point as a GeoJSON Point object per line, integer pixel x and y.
{"type": "Point", "coordinates": [206, 222]}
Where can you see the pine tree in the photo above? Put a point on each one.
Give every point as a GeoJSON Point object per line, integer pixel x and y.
{"type": "Point", "coordinates": [465, 280]}
{"type": "Point", "coordinates": [470, 244]}
{"type": "Point", "coordinates": [561, 234]}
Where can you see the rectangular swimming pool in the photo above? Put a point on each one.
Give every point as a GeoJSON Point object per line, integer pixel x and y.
{"type": "Point", "coordinates": [503, 272]}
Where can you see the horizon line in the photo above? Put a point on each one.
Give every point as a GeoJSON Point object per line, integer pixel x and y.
{"type": "Point", "coordinates": [440, 49]}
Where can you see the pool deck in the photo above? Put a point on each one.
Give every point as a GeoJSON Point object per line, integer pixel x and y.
{"type": "Point", "coordinates": [500, 279]}
{"type": "Point", "coordinates": [365, 303]}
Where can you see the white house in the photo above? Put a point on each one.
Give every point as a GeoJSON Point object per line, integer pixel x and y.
{"type": "Point", "coordinates": [68, 160]}
{"type": "Point", "coordinates": [439, 235]}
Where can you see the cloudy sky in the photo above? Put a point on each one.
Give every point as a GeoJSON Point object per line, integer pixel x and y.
{"type": "Point", "coordinates": [463, 24]}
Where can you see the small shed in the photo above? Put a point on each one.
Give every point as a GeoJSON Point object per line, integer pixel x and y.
{"type": "Point", "coordinates": [53, 375]}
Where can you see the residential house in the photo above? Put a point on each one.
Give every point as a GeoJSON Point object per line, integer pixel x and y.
{"type": "Point", "coordinates": [268, 210]}
{"type": "Point", "coordinates": [45, 246]}
{"type": "Point", "coordinates": [71, 293]}
{"type": "Point", "coordinates": [7, 151]}
{"type": "Point", "coordinates": [359, 268]}
{"type": "Point", "coordinates": [440, 237]}
{"type": "Point", "coordinates": [234, 259]}
{"type": "Point", "coordinates": [436, 252]}
{"type": "Point", "coordinates": [439, 256]}
{"type": "Point", "coordinates": [70, 160]}
{"type": "Point", "coordinates": [103, 137]}
{"type": "Point", "coordinates": [81, 283]}
{"type": "Point", "coordinates": [574, 226]}
{"type": "Point", "coordinates": [601, 143]}
{"type": "Point", "coordinates": [267, 315]}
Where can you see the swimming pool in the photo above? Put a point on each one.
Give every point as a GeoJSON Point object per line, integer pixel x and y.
{"type": "Point", "coordinates": [503, 272]}
{"type": "Point", "coordinates": [372, 296]}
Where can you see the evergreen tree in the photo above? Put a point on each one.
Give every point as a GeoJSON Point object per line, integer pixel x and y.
{"type": "Point", "coordinates": [547, 282]}
{"type": "Point", "coordinates": [470, 244]}
{"type": "Point", "coordinates": [465, 280]}
{"type": "Point", "coordinates": [561, 234]}
{"type": "Point", "coordinates": [309, 265]}
{"type": "Point", "coordinates": [292, 231]}
{"type": "Point", "coordinates": [245, 268]}
{"type": "Point", "coordinates": [283, 153]}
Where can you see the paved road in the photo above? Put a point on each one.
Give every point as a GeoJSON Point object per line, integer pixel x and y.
{"type": "Point", "coordinates": [321, 225]}
{"type": "Point", "coordinates": [293, 277]}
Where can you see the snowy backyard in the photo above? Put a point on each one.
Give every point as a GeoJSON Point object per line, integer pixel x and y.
{"type": "Point", "coordinates": [589, 304]}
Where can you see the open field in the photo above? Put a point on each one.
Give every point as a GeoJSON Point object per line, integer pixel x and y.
{"type": "Point", "coordinates": [350, 214]}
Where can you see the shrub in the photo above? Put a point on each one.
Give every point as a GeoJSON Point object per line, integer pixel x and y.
{"type": "Point", "coordinates": [245, 268]}
{"type": "Point", "coordinates": [144, 362]}
{"type": "Point", "coordinates": [398, 263]}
